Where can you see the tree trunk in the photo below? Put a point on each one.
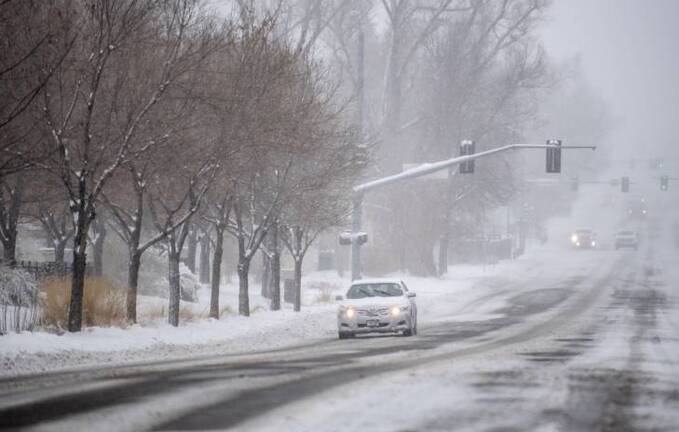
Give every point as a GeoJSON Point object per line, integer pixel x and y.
{"type": "Point", "coordinates": [297, 301]}
{"type": "Point", "coordinates": [11, 212]}
{"type": "Point", "coordinates": [59, 251]}
{"type": "Point", "coordinates": [205, 259]}
{"type": "Point", "coordinates": [75, 310]}
{"type": "Point", "coordinates": [216, 273]}
{"type": "Point", "coordinates": [9, 248]}
{"type": "Point", "coordinates": [191, 253]}
{"type": "Point", "coordinates": [275, 285]}
{"type": "Point", "coordinates": [266, 277]}
{"type": "Point", "coordinates": [243, 297]}
{"type": "Point", "coordinates": [173, 257]}
{"type": "Point", "coordinates": [132, 284]}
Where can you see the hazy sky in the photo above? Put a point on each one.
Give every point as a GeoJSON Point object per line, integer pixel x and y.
{"type": "Point", "coordinates": [629, 52]}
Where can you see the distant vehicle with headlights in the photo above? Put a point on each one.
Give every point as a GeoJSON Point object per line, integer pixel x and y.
{"type": "Point", "coordinates": [627, 239]}
{"type": "Point", "coordinates": [377, 306]}
{"type": "Point", "coordinates": [636, 208]}
{"type": "Point", "coordinates": [584, 239]}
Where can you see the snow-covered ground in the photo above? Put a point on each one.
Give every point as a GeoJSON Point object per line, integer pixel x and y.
{"type": "Point", "coordinates": [466, 293]}
{"type": "Point", "coordinates": [456, 296]}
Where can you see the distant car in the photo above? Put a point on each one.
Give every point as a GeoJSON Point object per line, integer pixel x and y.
{"type": "Point", "coordinates": [627, 239]}
{"type": "Point", "coordinates": [584, 239]}
{"type": "Point", "coordinates": [377, 306]}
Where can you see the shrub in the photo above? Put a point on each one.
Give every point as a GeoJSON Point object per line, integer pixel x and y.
{"type": "Point", "coordinates": [226, 310]}
{"type": "Point", "coordinates": [18, 300]}
{"type": "Point", "coordinates": [188, 282]}
{"type": "Point", "coordinates": [325, 291]}
{"type": "Point", "coordinates": [103, 302]}
{"type": "Point", "coordinates": [188, 313]}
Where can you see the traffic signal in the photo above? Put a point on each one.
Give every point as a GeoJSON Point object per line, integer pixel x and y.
{"type": "Point", "coordinates": [664, 182]}
{"type": "Point", "coordinates": [362, 156]}
{"type": "Point", "coordinates": [554, 156]}
{"type": "Point", "coordinates": [467, 147]}
{"type": "Point", "coordinates": [624, 184]}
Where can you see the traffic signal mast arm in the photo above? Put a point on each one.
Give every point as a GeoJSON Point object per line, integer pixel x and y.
{"type": "Point", "coordinates": [428, 168]}
{"type": "Point", "coordinates": [421, 170]}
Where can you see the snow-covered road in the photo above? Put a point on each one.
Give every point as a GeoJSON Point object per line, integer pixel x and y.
{"type": "Point", "coordinates": [557, 340]}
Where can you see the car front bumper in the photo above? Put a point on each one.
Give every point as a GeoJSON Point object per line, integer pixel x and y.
{"type": "Point", "coordinates": [363, 325]}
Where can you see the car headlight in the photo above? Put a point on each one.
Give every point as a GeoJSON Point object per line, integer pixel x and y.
{"type": "Point", "coordinates": [574, 238]}
{"type": "Point", "coordinates": [396, 311]}
{"type": "Point", "coordinates": [350, 312]}
{"type": "Point", "coordinates": [593, 244]}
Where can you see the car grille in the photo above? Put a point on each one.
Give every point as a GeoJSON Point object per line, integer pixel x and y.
{"type": "Point", "coordinates": [373, 312]}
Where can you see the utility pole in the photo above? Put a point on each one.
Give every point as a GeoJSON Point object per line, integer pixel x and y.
{"type": "Point", "coordinates": [356, 218]}
{"type": "Point", "coordinates": [357, 215]}
{"type": "Point", "coordinates": [360, 86]}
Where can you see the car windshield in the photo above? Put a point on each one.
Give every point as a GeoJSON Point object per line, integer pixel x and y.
{"type": "Point", "coordinates": [374, 290]}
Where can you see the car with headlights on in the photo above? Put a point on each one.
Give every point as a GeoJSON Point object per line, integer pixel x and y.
{"type": "Point", "coordinates": [377, 306]}
{"type": "Point", "coordinates": [584, 239]}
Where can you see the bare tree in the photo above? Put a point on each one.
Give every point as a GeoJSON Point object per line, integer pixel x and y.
{"type": "Point", "coordinates": [313, 214]}
{"type": "Point", "coordinates": [486, 70]}
{"type": "Point", "coordinates": [113, 38]}
{"type": "Point", "coordinates": [55, 219]}
{"type": "Point", "coordinates": [33, 48]}
{"type": "Point", "coordinates": [217, 214]}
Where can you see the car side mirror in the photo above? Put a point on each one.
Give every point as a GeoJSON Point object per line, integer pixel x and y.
{"type": "Point", "coordinates": [411, 294]}
{"type": "Point", "coordinates": [339, 298]}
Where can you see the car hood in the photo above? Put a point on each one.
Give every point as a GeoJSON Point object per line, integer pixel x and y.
{"type": "Point", "coordinates": [376, 302]}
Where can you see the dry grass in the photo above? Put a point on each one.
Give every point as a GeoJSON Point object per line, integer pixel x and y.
{"type": "Point", "coordinates": [103, 303]}
{"type": "Point", "coordinates": [187, 314]}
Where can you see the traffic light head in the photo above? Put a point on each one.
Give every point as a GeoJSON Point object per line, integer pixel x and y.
{"type": "Point", "coordinates": [553, 164]}
{"type": "Point", "coordinates": [467, 147]}
{"type": "Point", "coordinates": [624, 184]}
{"type": "Point", "coordinates": [664, 182]}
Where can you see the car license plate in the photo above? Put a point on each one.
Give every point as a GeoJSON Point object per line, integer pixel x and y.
{"type": "Point", "coordinates": [373, 323]}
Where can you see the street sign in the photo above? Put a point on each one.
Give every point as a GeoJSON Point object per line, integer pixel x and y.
{"type": "Point", "coordinates": [347, 238]}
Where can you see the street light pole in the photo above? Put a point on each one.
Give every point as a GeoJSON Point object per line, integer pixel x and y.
{"type": "Point", "coordinates": [356, 219]}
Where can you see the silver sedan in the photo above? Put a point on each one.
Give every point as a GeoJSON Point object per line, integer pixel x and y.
{"type": "Point", "coordinates": [377, 306]}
